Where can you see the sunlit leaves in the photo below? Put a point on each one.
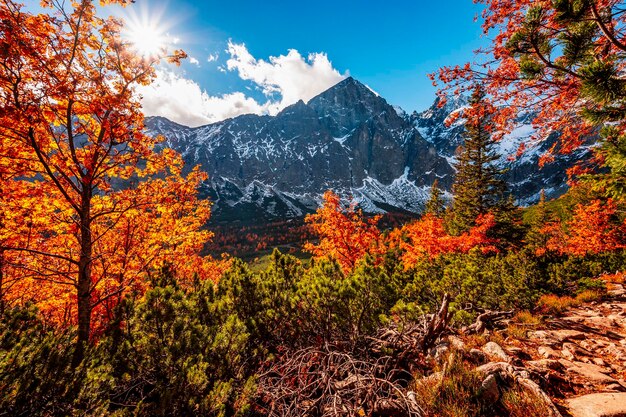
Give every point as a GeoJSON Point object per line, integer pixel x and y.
{"type": "Point", "coordinates": [90, 207]}
{"type": "Point", "coordinates": [344, 233]}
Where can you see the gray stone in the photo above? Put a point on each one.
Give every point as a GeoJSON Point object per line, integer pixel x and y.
{"type": "Point", "coordinates": [456, 342]}
{"type": "Point", "coordinates": [593, 373]}
{"type": "Point", "coordinates": [489, 391]}
{"type": "Point", "coordinates": [495, 350]}
{"type": "Point", "coordinates": [478, 356]}
{"type": "Point", "coordinates": [544, 365]}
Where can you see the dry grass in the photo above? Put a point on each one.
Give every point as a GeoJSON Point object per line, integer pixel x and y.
{"type": "Point", "coordinates": [521, 323]}
{"type": "Point", "coordinates": [588, 296]}
{"type": "Point", "coordinates": [555, 305]}
{"type": "Point", "coordinates": [617, 278]}
{"type": "Point", "coordinates": [518, 403]}
{"type": "Point", "coordinates": [517, 332]}
{"type": "Point", "coordinates": [527, 318]}
{"type": "Point", "coordinates": [454, 394]}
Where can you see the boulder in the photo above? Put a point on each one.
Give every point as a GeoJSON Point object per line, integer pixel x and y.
{"type": "Point", "coordinates": [456, 342]}
{"type": "Point", "coordinates": [495, 350]}
{"type": "Point", "coordinates": [598, 405]}
{"type": "Point", "coordinates": [478, 356]}
{"type": "Point", "coordinates": [489, 391]}
{"type": "Point", "coordinates": [548, 353]}
{"type": "Point", "coordinates": [593, 373]}
{"type": "Point", "coordinates": [544, 365]}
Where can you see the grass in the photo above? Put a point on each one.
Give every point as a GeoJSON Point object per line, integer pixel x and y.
{"type": "Point", "coordinates": [617, 278]}
{"type": "Point", "coordinates": [527, 318]}
{"type": "Point", "coordinates": [588, 296]}
{"type": "Point", "coordinates": [521, 323]}
{"type": "Point", "coordinates": [455, 394]}
{"type": "Point", "coordinates": [554, 305]}
{"type": "Point", "coordinates": [518, 403]}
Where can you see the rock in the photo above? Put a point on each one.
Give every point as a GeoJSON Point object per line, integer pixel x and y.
{"type": "Point", "coordinates": [598, 361]}
{"type": "Point", "coordinates": [440, 351]}
{"type": "Point", "coordinates": [495, 367]}
{"type": "Point", "coordinates": [456, 342]}
{"type": "Point", "coordinates": [598, 405]}
{"type": "Point", "coordinates": [593, 373]}
{"type": "Point", "coordinates": [489, 391]}
{"type": "Point", "coordinates": [567, 335]}
{"type": "Point", "coordinates": [567, 354]}
{"type": "Point", "coordinates": [615, 387]}
{"type": "Point", "coordinates": [478, 356]}
{"type": "Point", "coordinates": [548, 353]}
{"type": "Point", "coordinates": [519, 352]}
{"type": "Point", "coordinates": [544, 365]}
{"type": "Point", "coordinates": [495, 350]}
{"type": "Point", "coordinates": [577, 350]}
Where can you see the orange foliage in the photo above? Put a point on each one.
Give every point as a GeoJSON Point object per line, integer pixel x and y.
{"type": "Point", "coordinates": [555, 93]}
{"type": "Point", "coordinates": [591, 230]}
{"type": "Point", "coordinates": [344, 233]}
{"type": "Point", "coordinates": [427, 238]}
{"type": "Point", "coordinates": [89, 208]}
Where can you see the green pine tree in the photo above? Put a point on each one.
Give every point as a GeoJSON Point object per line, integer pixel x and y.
{"type": "Point", "coordinates": [536, 238]}
{"type": "Point", "coordinates": [478, 187]}
{"type": "Point", "coordinates": [602, 86]}
{"type": "Point", "coordinates": [435, 204]}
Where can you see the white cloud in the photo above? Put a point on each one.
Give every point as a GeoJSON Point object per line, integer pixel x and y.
{"type": "Point", "coordinates": [183, 101]}
{"type": "Point", "coordinates": [213, 57]}
{"type": "Point", "coordinates": [291, 76]}
{"type": "Point", "coordinates": [284, 80]}
{"type": "Point", "coordinates": [194, 61]}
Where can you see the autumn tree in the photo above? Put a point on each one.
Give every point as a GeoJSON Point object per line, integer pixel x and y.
{"type": "Point", "coordinates": [343, 232]}
{"type": "Point", "coordinates": [562, 61]}
{"type": "Point", "coordinates": [427, 238]}
{"type": "Point", "coordinates": [594, 228]}
{"type": "Point", "coordinates": [92, 205]}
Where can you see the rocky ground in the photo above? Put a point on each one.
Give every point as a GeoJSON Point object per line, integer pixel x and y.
{"type": "Point", "coordinates": [577, 361]}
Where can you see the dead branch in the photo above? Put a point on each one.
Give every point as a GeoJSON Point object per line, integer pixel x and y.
{"type": "Point", "coordinates": [488, 320]}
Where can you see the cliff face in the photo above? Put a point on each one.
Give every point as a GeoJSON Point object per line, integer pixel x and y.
{"type": "Point", "coordinates": [347, 139]}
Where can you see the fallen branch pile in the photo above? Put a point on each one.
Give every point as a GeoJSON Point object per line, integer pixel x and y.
{"type": "Point", "coordinates": [371, 380]}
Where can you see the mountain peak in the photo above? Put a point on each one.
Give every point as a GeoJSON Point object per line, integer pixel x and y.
{"type": "Point", "coordinates": [349, 87]}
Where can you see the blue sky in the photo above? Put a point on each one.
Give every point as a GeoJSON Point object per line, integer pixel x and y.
{"type": "Point", "coordinates": [390, 46]}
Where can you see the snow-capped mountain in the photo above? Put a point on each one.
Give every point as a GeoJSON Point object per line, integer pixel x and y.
{"type": "Point", "coordinates": [348, 139]}
{"type": "Point", "coordinates": [524, 175]}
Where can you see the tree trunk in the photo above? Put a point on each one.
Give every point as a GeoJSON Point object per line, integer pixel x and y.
{"type": "Point", "coordinates": [1, 282]}
{"type": "Point", "coordinates": [84, 279]}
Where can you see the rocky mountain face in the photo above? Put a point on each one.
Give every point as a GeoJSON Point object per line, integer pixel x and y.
{"type": "Point", "coordinates": [347, 139]}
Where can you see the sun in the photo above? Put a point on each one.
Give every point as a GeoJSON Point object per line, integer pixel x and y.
{"type": "Point", "coordinates": [146, 38]}
{"type": "Point", "coordinates": [146, 29]}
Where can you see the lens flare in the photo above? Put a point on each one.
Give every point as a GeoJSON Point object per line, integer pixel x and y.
{"type": "Point", "coordinates": [147, 32]}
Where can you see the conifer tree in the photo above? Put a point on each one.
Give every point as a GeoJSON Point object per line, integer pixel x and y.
{"type": "Point", "coordinates": [435, 204]}
{"type": "Point", "coordinates": [536, 238]}
{"type": "Point", "coordinates": [478, 187]}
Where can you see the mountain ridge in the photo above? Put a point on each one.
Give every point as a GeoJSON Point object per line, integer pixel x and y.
{"type": "Point", "coordinates": [348, 139]}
